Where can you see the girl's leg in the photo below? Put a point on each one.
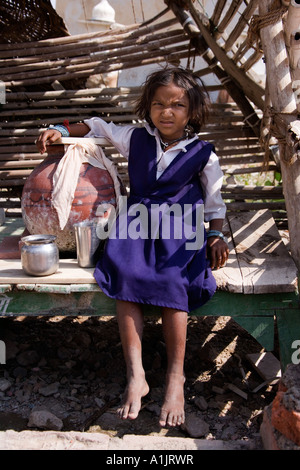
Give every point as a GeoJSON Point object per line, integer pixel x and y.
{"type": "Point", "coordinates": [130, 321]}
{"type": "Point", "coordinates": [174, 328]}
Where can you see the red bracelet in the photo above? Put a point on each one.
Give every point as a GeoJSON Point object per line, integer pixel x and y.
{"type": "Point", "coordinates": [67, 125]}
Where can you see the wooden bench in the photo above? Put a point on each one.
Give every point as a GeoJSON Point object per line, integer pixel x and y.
{"type": "Point", "coordinates": [259, 283]}
{"type": "Point", "coordinates": [257, 288]}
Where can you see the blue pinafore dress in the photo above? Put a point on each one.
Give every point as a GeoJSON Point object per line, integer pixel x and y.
{"type": "Point", "coordinates": [143, 266]}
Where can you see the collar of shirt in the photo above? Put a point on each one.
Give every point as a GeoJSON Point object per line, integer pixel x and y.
{"type": "Point", "coordinates": [164, 159]}
{"type": "Point", "coordinates": [179, 146]}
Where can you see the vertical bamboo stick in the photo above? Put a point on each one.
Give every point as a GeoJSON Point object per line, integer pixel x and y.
{"type": "Point", "coordinates": [251, 89]}
{"type": "Point", "coordinates": [218, 12]}
{"type": "Point", "coordinates": [284, 104]}
{"type": "Point", "coordinates": [234, 89]}
{"type": "Point", "coordinates": [292, 39]}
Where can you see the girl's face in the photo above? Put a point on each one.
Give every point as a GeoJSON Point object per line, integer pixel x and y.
{"type": "Point", "coordinates": [169, 111]}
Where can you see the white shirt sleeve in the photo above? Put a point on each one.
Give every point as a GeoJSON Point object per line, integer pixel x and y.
{"type": "Point", "coordinates": [118, 135]}
{"type": "Point", "coordinates": [211, 179]}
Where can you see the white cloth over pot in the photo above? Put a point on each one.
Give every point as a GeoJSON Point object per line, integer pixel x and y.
{"type": "Point", "coordinates": [65, 178]}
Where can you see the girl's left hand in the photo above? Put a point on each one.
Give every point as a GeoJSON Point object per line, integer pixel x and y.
{"type": "Point", "coordinates": [218, 252]}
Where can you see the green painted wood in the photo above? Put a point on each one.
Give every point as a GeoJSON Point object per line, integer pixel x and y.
{"type": "Point", "coordinates": [254, 312]}
{"type": "Point", "coordinates": [37, 298]}
{"type": "Point", "coordinates": [260, 328]}
{"type": "Point", "coordinates": [288, 326]}
{"type": "Point", "coordinates": [12, 226]}
{"type": "Point", "coordinates": [229, 304]}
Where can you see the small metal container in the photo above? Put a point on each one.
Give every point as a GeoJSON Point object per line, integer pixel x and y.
{"type": "Point", "coordinates": [39, 255]}
{"type": "Point", "coordinates": [87, 243]}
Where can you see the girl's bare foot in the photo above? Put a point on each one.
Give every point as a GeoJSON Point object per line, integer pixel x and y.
{"type": "Point", "coordinates": [136, 389]}
{"type": "Point", "coordinates": [172, 411]}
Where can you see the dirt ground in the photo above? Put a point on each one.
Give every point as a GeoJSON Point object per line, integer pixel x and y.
{"type": "Point", "coordinates": [73, 368]}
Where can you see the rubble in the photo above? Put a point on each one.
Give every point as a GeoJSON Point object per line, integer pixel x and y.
{"type": "Point", "coordinates": [280, 429]}
{"type": "Point", "coordinates": [77, 378]}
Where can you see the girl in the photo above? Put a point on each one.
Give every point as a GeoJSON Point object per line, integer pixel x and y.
{"type": "Point", "coordinates": [167, 162]}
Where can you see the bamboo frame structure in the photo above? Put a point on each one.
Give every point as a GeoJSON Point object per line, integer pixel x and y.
{"type": "Point", "coordinates": [232, 40]}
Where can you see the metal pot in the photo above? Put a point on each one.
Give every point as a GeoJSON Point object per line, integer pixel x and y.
{"type": "Point", "coordinates": [39, 255]}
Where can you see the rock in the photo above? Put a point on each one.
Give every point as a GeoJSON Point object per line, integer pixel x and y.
{"type": "Point", "coordinates": [271, 438]}
{"type": "Point", "coordinates": [229, 432]}
{"type": "Point", "coordinates": [4, 385]}
{"type": "Point", "coordinates": [291, 399]}
{"type": "Point", "coordinates": [291, 377]}
{"type": "Point", "coordinates": [198, 387]}
{"type": "Point", "coordinates": [218, 390]}
{"type": "Point", "coordinates": [281, 424]}
{"type": "Point", "coordinates": [19, 372]}
{"type": "Point", "coordinates": [195, 426]}
{"type": "Point", "coordinates": [287, 422]}
{"type": "Point", "coordinates": [22, 396]}
{"type": "Point", "coordinates": [11, 349]}
{"type": "Point", "coordinates": [82, 339]}
{"type": "Point", "coordinates": [113, 390]}
{"type": "Point", "coordinates": [44, 419]}
{"type": "Point", "coordinates": [64, 353]}
{"type": "Point", "coordinates": [99, 402]}
{"type": "Point", "coordinates": [27, 358]}
{"type": "Point", "coordinates": [201, 403]}
{"type": "Point", "coordinates": [153, 408]}
{"type": "Point", "coordinates": [50, 389]}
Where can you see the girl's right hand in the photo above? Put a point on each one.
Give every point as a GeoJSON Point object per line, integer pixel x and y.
{"type": "Point", "coordinates": [46, 138]}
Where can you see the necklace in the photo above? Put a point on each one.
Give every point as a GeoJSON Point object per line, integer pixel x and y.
{"type": "Point", "coordinates": [165, 145]}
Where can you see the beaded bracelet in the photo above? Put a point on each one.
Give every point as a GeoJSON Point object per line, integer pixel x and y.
{"type": "Point", "coordinates": [216, 233]}
{"type": "Point", "coordinates": [62, 129]}
{"type": "Point", "coordinates": [67, 125]}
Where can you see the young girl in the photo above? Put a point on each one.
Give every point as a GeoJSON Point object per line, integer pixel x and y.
{"type": "Point", "coordinates": [167, 163]}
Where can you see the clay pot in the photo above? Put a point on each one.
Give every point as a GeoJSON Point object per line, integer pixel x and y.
{"type": "Point", "coordinates": [95, 186]}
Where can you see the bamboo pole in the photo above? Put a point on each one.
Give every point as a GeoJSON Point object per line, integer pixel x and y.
{"type": "Point", "coordinates": [124, 53]}
{"type": "Point", "coordinates": [232, 10]}
{"type": "Point", "coordinates": [292, 38]}
{"type": "Point", "coordinates": [218, 12]}
{"type": "Point", "coordinates": [253, 91]}
{"type": "Point", "coordinates": [86, 62]}
{"type": "Point", "coordinates": [284, 104]}
{"type": "Point", "coordinates": [133, 31]}
{"type": "Point", "coordinates": [76, 72]}
{"type": "Point", "coordinates": [86, 50]}
{"type": "Point", "coordinates": [238, 29]}
{"type": "Point", "coordinates": [107, 93]}
{"type": "Point", "coordinates": [233, 88]}
{"type": "Point", "coordinates": [292, 23]}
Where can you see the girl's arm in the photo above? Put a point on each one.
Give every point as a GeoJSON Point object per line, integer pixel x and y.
{"type": "Point", "coordinates": [51, 135]}
{"type": "Point", "coordinates": [215, 210]}
{"type": "Point", "coordinates": [217, 247]}
{"type": "Point", "coordinates": [118, 135]}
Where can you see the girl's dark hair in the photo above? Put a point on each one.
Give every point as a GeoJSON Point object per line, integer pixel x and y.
{"type": "Point", "coordinates": [197, 95]}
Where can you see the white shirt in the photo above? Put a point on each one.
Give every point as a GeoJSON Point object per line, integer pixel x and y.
{"type": "Point", "coordinates": [211, 177]}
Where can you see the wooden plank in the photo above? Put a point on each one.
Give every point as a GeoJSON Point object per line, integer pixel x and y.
{"type": "Point", "coordinates": [228, 278]}
{"type": "Point", "coordinates": [258, 261]}
{"type": "Point", "coordinates": [68, 273]}
{"type": "Point", "coordinates": [266, 364]}
{"type": "Point", "coordinates": [266, 266]}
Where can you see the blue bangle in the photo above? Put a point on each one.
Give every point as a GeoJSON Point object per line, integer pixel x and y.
{"type": "Point", "coordinates": [62, 129]}
{"type": "Point", "coordinates": [216, 233]}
